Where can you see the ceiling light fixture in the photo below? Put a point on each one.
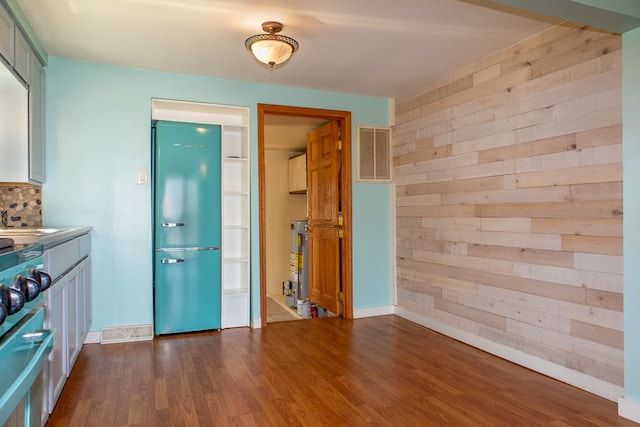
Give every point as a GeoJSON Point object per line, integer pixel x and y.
{"type": "Point", "coordinates": [271, 49]}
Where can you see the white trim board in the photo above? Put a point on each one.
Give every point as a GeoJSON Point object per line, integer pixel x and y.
{"type": "Point", "coordinates": [384, 310]}
{"type": "Point", "coordinates": [93, 337]}
{"type": "Point", "coordinates": [629, 409]}
{"type": "Point", "coordinates": [553, 370]}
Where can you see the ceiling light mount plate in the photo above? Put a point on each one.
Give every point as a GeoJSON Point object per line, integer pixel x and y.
{"type": "Point", "coordinates": [271, 49]}
{"type": "Point", "coordinates": [272, 27]}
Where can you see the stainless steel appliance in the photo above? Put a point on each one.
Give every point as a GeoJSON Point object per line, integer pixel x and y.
{"type": "Point", "coordinates": [24, 345]}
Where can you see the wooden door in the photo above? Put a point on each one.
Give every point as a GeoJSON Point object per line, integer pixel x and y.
{"type": "Point", "coordinates": [323, 169]}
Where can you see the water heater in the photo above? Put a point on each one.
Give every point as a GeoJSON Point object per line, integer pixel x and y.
{"type": "Point", "coordinates": [298, 263]}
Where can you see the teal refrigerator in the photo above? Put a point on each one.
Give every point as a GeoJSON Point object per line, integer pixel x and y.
{"type": "Point", "coordinates": [187, 227]}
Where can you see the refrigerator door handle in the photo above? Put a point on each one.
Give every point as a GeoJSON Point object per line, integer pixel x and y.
{"type": "Point", "coordinates": [171, 260]}
{"type": "Point", "coordinates": [172, 224]}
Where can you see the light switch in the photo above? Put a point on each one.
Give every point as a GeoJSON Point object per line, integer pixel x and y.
{"type": "Point", "coordinates": [142, 176]}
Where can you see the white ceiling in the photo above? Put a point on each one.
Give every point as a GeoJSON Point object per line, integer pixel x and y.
{"type": "Point", "coordinates": [366, 47]}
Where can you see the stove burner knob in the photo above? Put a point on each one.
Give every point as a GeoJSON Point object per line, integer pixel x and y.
{"type": "Point", "coordinates": [43, 279]}
{"type": "Point", "coordinates": [11, 299]}
{"type": "Point", "coordinates": [3, 313]}
{"type": "Point", "coordinates": [28, 286]}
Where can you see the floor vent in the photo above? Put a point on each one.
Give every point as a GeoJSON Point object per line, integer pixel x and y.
{"type": "Point", "coordinates": [126, 334]}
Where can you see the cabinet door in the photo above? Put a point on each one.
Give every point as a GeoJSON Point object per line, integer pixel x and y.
{"type": "Point", "coordinates": [22, 62]}
{"type": "Point", "coordinates": [7, 34]}
{"type": "Point", "coordinates": [36, 122]}
{"type": "Point", "coordinates": [73, 345]}
{"type": "Point", "coordinates": [56, 305]}
{"type": "Point", "coordinates": [298, 174]}
{"type": "Point", "coordinates": [87, 308]}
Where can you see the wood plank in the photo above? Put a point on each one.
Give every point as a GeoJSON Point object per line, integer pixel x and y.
{"type": "Point", "coordinates": [478, 316]}
{"type": "Point", "coordinates": [594, 209]}
{"type": "Point", "coordinates": [595, 315]}
{"type": "Point", "coordinates": [567, 276]}
{"type": "Point", "coordinates": [486, 74]}
{"type": "Point", "coordinates": [473, 184]}
{"type": "Point", "coordinates": [544, 37]}
{"type": "Point", "coordinates": [519, 240]}
{"type": "Point", "coordinates": [604, 336]}
{"type": "Point", "coordinates": [592, 244]}
{"type": "Point", "coordinates": [599, 191]}
{"type": "Point", "coordinates": [534, 256]}
{"type": "Point", "coordinates": [519, 195]}
{"type": "Point", "coordinates": [592, 48]}
{"type": "Point", "coordinates": [556, 144]}
{"type": "Point", "coordinates": [570, 344]}
{"type": "Point", "coordinates": [435, 211]}
{"type": "Point", "coordinates": [546, 50]}
{"type": "Point", "coordinates": [509, 311]}
{"type": "Point", "coordinates": [611, 227]}
{"type": "Point", "coordinates": [603, 299]}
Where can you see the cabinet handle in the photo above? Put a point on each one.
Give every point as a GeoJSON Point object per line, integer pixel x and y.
{"type": "Point", "coordinates": [171, 260]}
{"type": "Point", "coordinates": [172, 224]}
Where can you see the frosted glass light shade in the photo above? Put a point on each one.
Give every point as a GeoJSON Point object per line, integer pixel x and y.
{"type": "Point", "coordinates": [271, 49]}
{"type": "Point", "coordinates": [271, 52]}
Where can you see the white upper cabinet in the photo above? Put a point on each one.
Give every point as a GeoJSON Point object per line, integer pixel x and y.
{"type": "Point", "coordinates": [21, 106]}
{"type": "Point", "coordinates": [36, 122]}
{"type": "Point", "coordinates": [22, 62]}
{"type": "Point", "coordinates": [7, 34]}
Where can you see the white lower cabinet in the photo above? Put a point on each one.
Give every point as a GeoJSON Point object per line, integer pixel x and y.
{"type": "Point", "coordinates": [67, 310]}
{"type": "Point", "coordinates": [73, 332]}
{"type": "Point", "coordinates": [57, 375]}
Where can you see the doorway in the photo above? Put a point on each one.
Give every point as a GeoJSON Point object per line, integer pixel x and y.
{"type": "Point", "coordinates": [343, 122]}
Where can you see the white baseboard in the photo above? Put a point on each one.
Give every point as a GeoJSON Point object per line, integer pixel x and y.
{"type": "Point", "coordinates": [92, 338]}
{"type": "Point", "coordinates": [629, 409]}
{"type": "Point", "coordinates": [373, 311]}
{"type": "Point", "coordinates": [553, 370]}
{"type": "Point", "coordinates": [126, 334]}
{"type": "Point", "coordinates": [256, 323]}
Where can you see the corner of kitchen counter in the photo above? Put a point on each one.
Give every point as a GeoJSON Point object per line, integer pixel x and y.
{"type": "Point", "coordinates": [64, 235]}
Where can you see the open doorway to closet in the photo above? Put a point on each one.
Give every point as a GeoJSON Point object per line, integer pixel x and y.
{"type": "Point", "coordinates": [326, 207]}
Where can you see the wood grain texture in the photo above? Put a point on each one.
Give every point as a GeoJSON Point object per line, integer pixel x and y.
{"type": "Point", "coordinates": [514, 231]}
{"type": "Point", "coordinates": [382, 371]}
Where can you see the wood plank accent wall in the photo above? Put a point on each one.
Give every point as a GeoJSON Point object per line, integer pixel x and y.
{"type": "Point", "coordinates": [508, 180]}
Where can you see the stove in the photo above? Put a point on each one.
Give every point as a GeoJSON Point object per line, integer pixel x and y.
{"type": "Point", "coordinates": [24, 344]}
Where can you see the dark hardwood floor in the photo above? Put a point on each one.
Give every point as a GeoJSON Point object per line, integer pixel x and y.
{"type": "Point", "coordinates": [330, 372]}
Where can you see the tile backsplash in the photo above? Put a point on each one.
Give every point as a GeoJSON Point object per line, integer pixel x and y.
{"type": "Point", "coordinates": [23, 204]}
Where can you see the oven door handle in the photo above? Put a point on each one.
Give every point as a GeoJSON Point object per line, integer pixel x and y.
{"type": "Point", "coordinates": [37, 337]}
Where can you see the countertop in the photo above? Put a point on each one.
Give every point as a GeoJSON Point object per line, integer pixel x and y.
{"type": "Point", "coordinates": [46, 236]}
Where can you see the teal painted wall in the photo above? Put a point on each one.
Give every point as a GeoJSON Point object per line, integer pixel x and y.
{"type": "Point", "coordinates": [631, 195]}
{"type": "Point", "coordinates": [98, 135]}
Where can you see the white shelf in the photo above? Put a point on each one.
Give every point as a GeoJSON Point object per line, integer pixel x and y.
{"type": "Point", "coordinates": [235, 223]}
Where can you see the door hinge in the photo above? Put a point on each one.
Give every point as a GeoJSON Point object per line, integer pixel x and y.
{"type": "Point", "coordinates": [340, 233]}
{"type": "Point", "coordinates": [340, 296]}
{"type": "Point", "coordinates": [339, 144]}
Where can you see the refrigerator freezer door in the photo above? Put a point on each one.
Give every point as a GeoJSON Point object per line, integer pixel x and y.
{"type": "Point", "coordinates": [187, 185]}
{"type": "Point", "coordinates": [187, 291]}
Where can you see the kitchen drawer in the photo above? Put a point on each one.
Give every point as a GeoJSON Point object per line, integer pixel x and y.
{"type": "Point", "coordinates": [84, 244]}
{"type": "Point", "coordinates": [59, 259]}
